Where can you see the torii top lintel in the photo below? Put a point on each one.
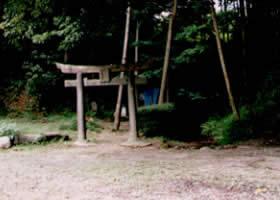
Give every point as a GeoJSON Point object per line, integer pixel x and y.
{"type": "Point", "coordinates": [74, 69]}
{"type": "Point", "coordinates": [104, 75]}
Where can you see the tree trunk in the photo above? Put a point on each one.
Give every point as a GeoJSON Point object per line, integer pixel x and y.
{"type": "Point", "coordinates": [136, 60]}
{"type": "Point", "coordinates": [222, 60]}
{"type": "Point", "coordinates": [167, 54]}
{"type": "Point", "coordinates": [167, 93]}
{"type": "Point", "coordinates": [123, 62]}
{"type": "Point", "coordinates": [136, 56]}
{"type": "Point", "coordinates": [242, 22]}
{"type": "Point", "coordinates": [247, 6]}
{"type": "Point", "coordinates": [243, 62]}
{"type": "Point", "coordinates": [2, 8]}
{"type": "Point", "coordinates": [66, 57]}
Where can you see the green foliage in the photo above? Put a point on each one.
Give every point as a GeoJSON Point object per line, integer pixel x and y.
{"type": "Point", "coordinates": [156, 120]}
{"type": "Point", "coordinates": [8, 129]}
{"type": "Point", "coordinates": [38, 80]}
{"type": "Point", "coordinates": [41, 38]}
{"type": "Point", "coordinates": [151, 74]}
{"type": "Point", "coordinates": [19, 29]}
{"type": "Point", "coordinates": [193, 33]}
{"type": "Point", "coordinates": [143, 43]}
{"type": "Point", "coordinates": [11, 92]}
{"type": "Point", "coordinates": [196, 37]}
{"type": "Point", "coordinates": [69, 30]}
{"type": "Point", "coordinates": [34, 22]}
{"type": "Point", "coordinates": [266, 107]}
{"type": "Point", "coordinates": [23, 19]}
{"type": "Point", "coordinates": [167, 107]}
{"type": "Point", "coordinates": [219, 129]}
{"type": "Point", "coordinates": [33, 28]}
{"type": "Point", "coordinates": [72, 125]}
{"type": "Point", "coordinates": [193, 96]}
{"type": "Point", "coordinates": [61, 116]}
{"type": "Point", "coordinates": [226, 130]}
{"type": "Point", "coordinates": [190, 55]}
{"type": "Point", "coordinates": [35, 83]}
{"type": "Point", "coordinates": [91, 125]}
{"type": "Point", "coordinates": [106, 114]}
{"type": "Point", "coordinates": [227, 24]}
{"type": "Point", "coordinates": [258, 119]}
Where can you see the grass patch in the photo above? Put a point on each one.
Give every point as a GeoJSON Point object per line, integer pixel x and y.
{"type": "Point", "coordinates": [41, 125]}
{"type": "Point", "coordinates": [69, 122]}
{"type": "Point", "coordinates": [91, 125]}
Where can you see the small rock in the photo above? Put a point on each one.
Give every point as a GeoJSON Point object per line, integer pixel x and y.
{"type": "Point", "coordinates": [205, 148]}
{"type": "Point", "coordinates": [244, 147]}
{"type": "Point", "coordinates": [5, 142]}
{"type": "Point", "coordinates": [136, 144]}
{"type": "Point", "coordinates": [230, 146]}
{"type": "Point", "coordinates": [260, 190]}
{"type": "Point", "coordinates": [219, 147]}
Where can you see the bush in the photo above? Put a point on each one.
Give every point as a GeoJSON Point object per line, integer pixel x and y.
{"type": "Point", "coordinates": [226, 130]}
{"type": "Point", "coordinates": [157, 120]}
{"type": "Point", "coordinates": [218, 129]}
{"type": "Point", "coordinates": [167, 107]}
{"type": "Point", "coordinates": [8, 130]}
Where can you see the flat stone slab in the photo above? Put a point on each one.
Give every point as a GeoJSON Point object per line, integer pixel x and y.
{"type": "Point", "coordinates": [37, 138]}
{"type": "Point", "coordinates": [136, 144]}
{"type": "Point", "coordinates": [28, 138]}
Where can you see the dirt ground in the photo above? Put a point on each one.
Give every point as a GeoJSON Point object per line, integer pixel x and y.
{"type": "Point", "coordinates": [108, 171]}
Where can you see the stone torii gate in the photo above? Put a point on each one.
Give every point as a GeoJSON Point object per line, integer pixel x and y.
{"type": "Point", "coordinates": [103, 79]}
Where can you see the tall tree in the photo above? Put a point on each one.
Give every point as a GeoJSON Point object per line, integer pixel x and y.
{"type": "Point", "coordinates": [242, 22]}
{"type": "Point", "coordinates": [136, 58]}
{"type": "Point", "coordinates": [222, 60]}
{"type": "Point", "coordinates": [167, 53]}
{"type": "Point", "coordinates": [123, 62]}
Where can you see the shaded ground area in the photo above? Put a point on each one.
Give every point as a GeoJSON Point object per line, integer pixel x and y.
{"type": "Point", "coordinates": [109, 171]}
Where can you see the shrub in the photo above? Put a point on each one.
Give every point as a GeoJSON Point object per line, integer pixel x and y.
{"type": "Point", "coordinates": [8, 129]}
{"type": "Point", "coordinates": [168, 121]}
{"type": "Point", "coordinates": [219, 129]}
{"type": "Point", "coordinates": [226, 130]}
{"type": "Point", "coordinates": [157, 120]}
{"type": "Point", "coordinates": [167, 107]}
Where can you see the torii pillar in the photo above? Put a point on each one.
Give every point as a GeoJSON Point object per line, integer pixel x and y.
{"type": "Point", "coordinates": [82, 136]}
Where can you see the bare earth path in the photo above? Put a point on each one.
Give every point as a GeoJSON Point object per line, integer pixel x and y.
{"type": "Point", "coordinates": [108, 171]}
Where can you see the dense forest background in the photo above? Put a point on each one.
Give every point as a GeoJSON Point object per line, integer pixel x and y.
{"type": "Point", "coordinates": [36, 33]}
